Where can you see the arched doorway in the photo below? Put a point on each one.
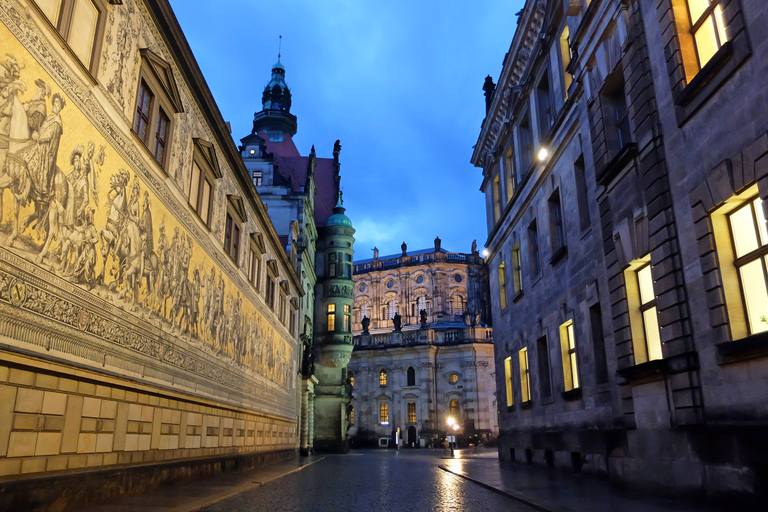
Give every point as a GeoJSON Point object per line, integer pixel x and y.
{"type": "Point", "coordinates": [412, 441]}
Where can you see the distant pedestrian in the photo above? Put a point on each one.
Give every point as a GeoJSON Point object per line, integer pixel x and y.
{"type": "Point", "coordinates": [446, 445]}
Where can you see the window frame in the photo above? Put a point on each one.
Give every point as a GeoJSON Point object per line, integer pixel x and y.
{"type": "Point", "coordinates": [204, 157]}
{"type": "Point", "coordinates": [641, 342]}
{"type": "Point", "coordinates": [330, 316]}
{"type": "Point", "coordinates": [63, 25]}
{"type": "Point", "coordinates": [234, 220]}
{"type": "Point", "coordinates": [383, 378]}
{"type": "Point", "coordinates": [411, 412]}
{"type": "Point", "coordinates": [569, 355]}
{"type": "Point", "coordinates": [384, 413]}
{"type": "Point", "coordinates": [509, 384]}
{"type": "Point", "coordinates": [525, 375]}
{"type": "Point", "coordinates": [502, 285]}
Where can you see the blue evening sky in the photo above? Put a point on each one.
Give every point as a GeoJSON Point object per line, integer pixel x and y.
{"type": "Point", "coordinates": [398, 82]}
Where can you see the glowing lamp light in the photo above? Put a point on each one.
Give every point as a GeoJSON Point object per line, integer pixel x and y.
{"type": "Point", "coordinates": [455, 427]}
{"type": "Point", "coordinates": [451, 421]}
{"type": "Point", "coordinates": [485, 253]}
{"type": "Point", "coordinates": [543, 154]}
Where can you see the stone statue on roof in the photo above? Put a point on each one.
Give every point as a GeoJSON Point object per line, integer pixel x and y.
{"type": "Point", "coordinates": [397, 321]}
{"type": "Point", "coordinates": [375, 253]}
{"type": "Point", "coordinates": [404, 248]}
{"type": "Point", "coordinates": [366, 323]}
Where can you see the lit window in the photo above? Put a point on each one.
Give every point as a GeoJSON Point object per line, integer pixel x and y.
{"type": "Point", "coordinates": [352, 417]}
{"type": "Point", "coordinates": [383, 378]}
{"type": "Point", "coordinates": [351, 377]}
{"type": "Point", "coordinates": [508, 380]}
{"type": "Point", "coordinates": [502, 286]}
{"type": "Point", "coordinates": [568, 349]}
{"type": "Point", "coordinates": [496, 198]}
{"type": "Point", "coordinates": [525, 378]}
{"type": "Point", "coordinates": [331, 312]}
{"type": "Point", "coordinates": [565, 59]}
{"type": "Point", "coordinates": [80, 23]}
{"type": "Point", "coordinates": [517, 271]}
{"type": "Point", "coordinates": [384, 414]}
{"type": "Point", "coordinates": [347, 311]}
{"type": "Point", "coordinates": [750, 242]}
{"type": "Point", "coordinates": [707, 28]}
{"type": "Point", "coordinates": [411, 412]}
{"type": "Point", "coordinates": [454, 409]}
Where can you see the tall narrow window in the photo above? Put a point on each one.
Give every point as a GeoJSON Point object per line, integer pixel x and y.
{"type": "Point", "coordinates": [533, 249]}
{"type": "Point", "coordinates": [544, 104]}
{"type": "Point", "coordinates": [348, 266]}
{"type": "Point", "coordinates": [411, 412]}
{"type": "Point", "coordinates": [556, 222]}
{"type": "Point", "coordinates": [615, 113]}
{"type": "Point", "coordinates": [581, 192]}
{"type": "Point", "coordinates": [384, 414]}
{"type": "Point", "coordinates": [411, 376]}
{"type": "Point", "coordinates": [568, 348]}
{"type": "Point", "coordinates": [502, 286]}
{"type": "Point", "coordinates": [598, 344]}
{"type": "Point", "coordinates": [161, 136]}
{"type": "Point", "coordinates": [707, 28]}
{"type": "Point", "coordinates": [392, 309]}
{"type": "Point", "coordinates": [347, 312]}
{"type": "Point", "coordinates": [496, 199]}
{"type": "Point", "coordinates": [565, 59]}
{"type": "Point", "coordinates": [332, 264]}
{"type": "Point", "coordinates": [270, 292]}
{"type": "Point", "coordinates": [454, 409]}
{"type": "Point", "coordinates": [143, 110]}
{"type": "Point", "coordinates": [525, 138]}
{"type": "Point", "coordinates": [351, 416]}
{"type": "Point", "coordinates": [383, 378]}
{"type": "Point", "coordinates": [258, 177]}
{"type": "Point", "coordinates": [525, 381]}
{"type": "Point", "coordinates": [331, 315]}
{"type": "Point", "coordinates": [542, 357]}
{"type": "Point", "coordinates": [517, 271]}
{"type": "Point", "coordinates": [648, 310]}
{"type": "Point", "coordinates": [750, 241]}
{"type": "Point", "coordinates": [509, 171]}
{"type": "Point", "coordinates": [508, 381]}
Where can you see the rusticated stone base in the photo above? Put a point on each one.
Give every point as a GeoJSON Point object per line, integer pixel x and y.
{"type": "Point", "coordinates": [74, 491]}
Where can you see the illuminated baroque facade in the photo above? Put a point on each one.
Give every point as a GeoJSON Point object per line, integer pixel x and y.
{"type": "Point", "coordinates": [624, 157]}
{"type": "Point", "coordinates": [147, 305]}
{"type": "Point", "coordinates": [436, 364]}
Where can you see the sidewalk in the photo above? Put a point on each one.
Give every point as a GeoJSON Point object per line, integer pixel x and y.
{"type": "Point", "coordinates": [557, 491]}
{"type": "Point", "coordinates": [198, 494]}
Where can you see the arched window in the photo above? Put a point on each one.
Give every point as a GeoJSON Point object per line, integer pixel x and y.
{"type": "Point", "coordinates": [383, 378]}
{"type": "Point", "coordinates": [392, 309]}
{"type": "Point", "coordinates": [454, 409]}
{"type": "Point", "coordinates": [351, 378]}
{"type": "Point", "coordinates": [384, 414]}
{"type": "Point", "coordinates": [411, 376]}
{"type": "Point", "coordinates": [421, 304]}
{"type": "Point", "coordinates": [364, 312]}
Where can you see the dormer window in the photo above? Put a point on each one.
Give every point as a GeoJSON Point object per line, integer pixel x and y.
{"type": "Point", "coordinates": [258, 178]}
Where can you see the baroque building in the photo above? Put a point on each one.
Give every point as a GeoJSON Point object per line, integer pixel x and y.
{"type": "Point", "coordinates": [624, 155]}
{"type": "Point", "coordinates": [300, 193]}
{"type": "Point", "coordinates": [423, 348]}
{"type": "Point", "coordinates": [148, 307]}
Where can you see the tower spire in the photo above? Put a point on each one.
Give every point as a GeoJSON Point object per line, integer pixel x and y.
{"type": "Point", "coordinates": [279, 48]}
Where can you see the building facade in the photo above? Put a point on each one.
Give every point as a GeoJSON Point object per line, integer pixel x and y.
{"type": "Point", "coordinates": [626, 231]}
{"type": "Point", "coordinates": [300, 193]}
{"type": "Point", "coordinates": [147, 305]}
{"type": "Point", "coordinates": [423, 351]}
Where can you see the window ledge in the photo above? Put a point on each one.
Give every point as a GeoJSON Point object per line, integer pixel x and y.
{"type": "Point", "coordinates": [655, 368]}
{"type": "Point", "coordinates": [751, 347]}
{"type": "Point", "coordinates": [572, 394]}
{"type": "Point", "coordinates": [688, 93]}
{"type": "Point", "coordinates": [518, 296]}
{"type": "Point", "coordinates": [558, 255]}
{"type": "Point", "coordinates": [526, 405]}
{"type": "Point", "coordinates": [510, 408]}
{"type": "Point", "coordinates": [614, 167]}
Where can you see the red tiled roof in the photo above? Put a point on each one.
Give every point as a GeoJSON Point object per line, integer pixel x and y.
{"type": "Point", "coordinates": [293, 167]}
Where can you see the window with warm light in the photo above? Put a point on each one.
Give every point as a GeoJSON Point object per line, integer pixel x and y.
{"type": "Point", "coordinates": [525, 376]}
{"type": "Point", "coordinates": [331, 315]}
{"type": "Point", "coordinates": [568, 350]}
{"type": "Point", "coordinates": [352, 417]}
{"type": "Point", "coordinates": [707, 28]}
{"type": "Point", "coordinates": [411, 412]}
{"type": "Point", "coordinates": [383, 378]}
{"type": "Point", "coordinates": [641, 301]}
{"type": "Point", "coordinates": [565, 59]}
{"type": "Point", "coordinates": [454, 409]}
{"type": "Point", "coordinates": [351, 378]}
{"type": "Point", "coordinates": [347, 313]}
{"type": "Point", "coordinates": [508, 381]}
{"type": "Point", "coordinates": [750, 244]}
{"type": "Point", "coordinates": [502, 286]}
{"type": "Point", "coordinates": [384, 414]}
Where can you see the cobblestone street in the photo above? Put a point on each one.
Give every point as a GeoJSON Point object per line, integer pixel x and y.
{"type": "Point", "coordinates": [376, 480]}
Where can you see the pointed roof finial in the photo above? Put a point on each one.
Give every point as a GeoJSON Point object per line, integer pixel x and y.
{"type": "Point", "coordinates": [340, 201]}
{"type": "Point", "coordinates": [279, 48]}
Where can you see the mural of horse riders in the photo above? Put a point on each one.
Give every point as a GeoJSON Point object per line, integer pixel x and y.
{"type": "Point", "coordinates": [58, 222]}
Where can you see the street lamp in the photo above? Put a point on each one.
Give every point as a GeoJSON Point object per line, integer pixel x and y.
{"type": "Point", "coordinates": [451, 421]}
{"type": "Point", "coordinates": [543, 154]}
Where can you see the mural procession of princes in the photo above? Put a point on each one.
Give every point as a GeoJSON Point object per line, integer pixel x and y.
{"type": "Point", "coordinates": [53, 224]}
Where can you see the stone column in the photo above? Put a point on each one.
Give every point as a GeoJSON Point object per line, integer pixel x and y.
{"type": "Point", "coordinates": [307, 414]}
{"type": "Point", "coordinates": [311, 422]}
